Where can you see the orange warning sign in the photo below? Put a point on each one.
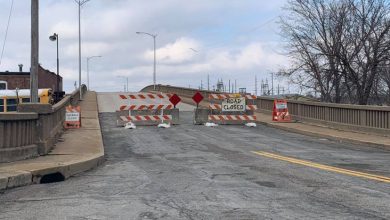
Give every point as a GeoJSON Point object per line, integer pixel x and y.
{"type": "Point", "coordinates": [72, 117]}
{"type": "Point", "coordinates": [280, 111]}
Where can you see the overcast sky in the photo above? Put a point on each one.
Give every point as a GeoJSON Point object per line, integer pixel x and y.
{"type": "Point", "coordinates": [234, 39]}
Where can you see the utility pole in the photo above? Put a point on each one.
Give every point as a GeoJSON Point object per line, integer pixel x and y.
{"type": "Point", "coordinates": [272, 83]}
{"type": "Point", "coordinates": [229, 86]}
{"type": "Point", "coordinates": [262, 87]}
{"type": "Point", "coordinates": [208, 82]}
{"type": "Point", "coordinates": [255, 85]}
{"type": "Point", "coordinates": [34, 50]}
{"type": "Point", "coordinates": [235, 86]}
{"type": "Point", "coordinates": [201, 84]}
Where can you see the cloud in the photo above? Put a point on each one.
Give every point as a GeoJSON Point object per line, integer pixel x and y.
{"type": "Point", "coordinates": [229, 36]}
{"type": "Point", "coordinates": [253, 57]}
{"type": "Point", "coordinates": [174, 53]}
{"type": "Point", "coordinates": [89, 49]}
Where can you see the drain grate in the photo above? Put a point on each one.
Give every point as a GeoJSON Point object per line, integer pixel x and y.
{"type": "Point", "coordinates": [52, 178]}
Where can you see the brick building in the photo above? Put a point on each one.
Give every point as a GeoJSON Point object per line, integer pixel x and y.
{"type": "Point", "coordinates": [21, 80]}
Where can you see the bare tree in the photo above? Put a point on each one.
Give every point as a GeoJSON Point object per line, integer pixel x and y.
{"type": "Point", "coordinates": [337, 46]}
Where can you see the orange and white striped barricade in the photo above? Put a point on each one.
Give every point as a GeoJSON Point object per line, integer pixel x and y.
{"type": "Point", "coordinates": [232, 108]}
{"type": "Point", "coordinates": [280, 111]}
{"type": "Point", "coordinates": [72, 117]}
{"type": "Point", "coordinates": [146, 109]}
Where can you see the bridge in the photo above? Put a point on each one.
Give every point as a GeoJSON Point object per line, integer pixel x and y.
{"type": "Point", "coordinates": [333, 162]}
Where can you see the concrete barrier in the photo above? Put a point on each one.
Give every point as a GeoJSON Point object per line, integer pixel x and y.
{"type": "Point", "coordinates": [34, 129]}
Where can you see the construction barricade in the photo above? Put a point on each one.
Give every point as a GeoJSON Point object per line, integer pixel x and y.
{"type": "Point", "coordinates": [72, 117]}
{"type": "Point", "coordinates": [228, 109]}
{"type": "Point", "coordinates": [146, 109]}
{"type": "Point", "coordinates": [280, 111]}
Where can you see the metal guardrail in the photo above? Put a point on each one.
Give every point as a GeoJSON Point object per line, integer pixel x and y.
{"type": "Point", "coordinates": [355, 117]}
{"type": "Point", "coordinates": [34, 129]}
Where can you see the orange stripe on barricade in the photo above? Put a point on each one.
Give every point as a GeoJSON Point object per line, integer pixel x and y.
{"type": "Point", "coordinates": [232, 118]}
{"type": "Point", "coordinates": [145, 118]}
{"type": "Point", "coordinates": [250, 97]}
{"type": "Point", "coordinates": [145, 107]}
{"type": "Point", "coordinates": [145, 96]}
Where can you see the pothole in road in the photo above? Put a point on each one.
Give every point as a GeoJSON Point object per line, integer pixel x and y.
{"type": "Point", "coordinates": [52, 178]}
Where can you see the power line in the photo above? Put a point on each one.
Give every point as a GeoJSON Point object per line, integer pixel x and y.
{"type": "Point", "coordinates": [6, 30]}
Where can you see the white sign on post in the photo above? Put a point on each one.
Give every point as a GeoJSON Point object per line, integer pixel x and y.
{"type": "Point", "coordinates": [72, 116]}
{"type": "Point", "coordinates": [281, 106]}
{"type": "Point", "coordinates": [233, 105]}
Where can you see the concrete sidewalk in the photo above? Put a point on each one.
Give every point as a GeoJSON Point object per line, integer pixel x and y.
{"type": "Point", "coordinates": [78, 150]}
{"type": "Point", "coordinates": [317, 130]}
{"type": "Point", "coordinates": [323, 131]}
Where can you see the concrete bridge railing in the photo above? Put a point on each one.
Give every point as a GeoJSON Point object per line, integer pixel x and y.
{"type": "Point", "coordinates": [34, 129]}
{"type": "Point", "coordinates": [354, 117]}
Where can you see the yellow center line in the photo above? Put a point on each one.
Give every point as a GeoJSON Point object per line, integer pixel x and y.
{"type": "Point", "coordinates": [324, 167]}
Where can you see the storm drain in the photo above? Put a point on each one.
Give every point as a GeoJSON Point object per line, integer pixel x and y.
{"type": "Point", "coordinates": [52, 178]}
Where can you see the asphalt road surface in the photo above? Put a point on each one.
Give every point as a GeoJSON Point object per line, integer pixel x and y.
{"type": "Point", "coordinates": [227, 172]}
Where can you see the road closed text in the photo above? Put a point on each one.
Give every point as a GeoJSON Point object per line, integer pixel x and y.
{"type": "Point", "coordinates": [233, 104]}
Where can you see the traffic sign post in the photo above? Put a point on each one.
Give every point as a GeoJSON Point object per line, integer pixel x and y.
{"type": "Point", "coordinates": [197, 98]}
{"type": "Point", "coordinates": [175, 99]}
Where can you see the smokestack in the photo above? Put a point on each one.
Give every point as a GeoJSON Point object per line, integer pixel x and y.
{"type": "Point", "coordinates": [20, 67]}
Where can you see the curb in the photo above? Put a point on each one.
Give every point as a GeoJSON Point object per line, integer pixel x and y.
{"type": "Point", "coordinates": [21, 173]}
{"type": "Point", "coordinates": [13, 178]}
{"type": "Point", "coordinates": [334, 138]}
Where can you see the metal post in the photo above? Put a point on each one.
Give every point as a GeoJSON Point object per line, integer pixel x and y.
{"type": "Point", "coordinates": [58, 73]}
{"type": "Point", "coordinates": [88, 73]}
{"type": "Point", "coordinates": [272, 78]}
{"type": "Point", "coordinates": [154, 49]}
{"type": "Point", "coordinates": [255, 85]}
{"type": "Point", "coordinates": [88, 59]}
{"type": "Point", "coordinates": [80, 3]}
{"type": "Point", "coordinates": [208, 82]}
{"type": "Point", "coordinates": [81, 95]}
{"type": "Point", "coordinates": [34, 50]}
{"type": "Point", "coordinates": [154, 66]}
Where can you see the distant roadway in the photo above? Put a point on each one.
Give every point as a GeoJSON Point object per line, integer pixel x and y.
{"type": "Point", "coordinates": [228, 172]}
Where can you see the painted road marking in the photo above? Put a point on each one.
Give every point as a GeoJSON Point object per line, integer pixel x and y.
{"type": "Point", "coordinates": [324, 167]}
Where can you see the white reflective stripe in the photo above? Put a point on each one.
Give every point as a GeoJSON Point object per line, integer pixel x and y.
{"type": "Point", "coordinates": [145, 96]}
{"type": "Point", "coordinates": [145, 118]}
{"type": "Point", "coordinates": [232, 117]}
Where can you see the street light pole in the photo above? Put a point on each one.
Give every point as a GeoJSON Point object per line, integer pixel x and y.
{"type": "Point", "coordinates": [80, 3]}
{"type": "Point", "coordinates": [127, 83]}
{"type": "Point", "coordinates": [55, 37]}
{"type": "Point", "coordinates": [89, 58]}
{"type": "Point", "coordinates": [154, 49]}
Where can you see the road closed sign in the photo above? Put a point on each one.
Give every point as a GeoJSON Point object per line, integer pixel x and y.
{"type": "Point", "coordinates": [233, 104]}
{"type": "Point", "coordinates": [72, 116]}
